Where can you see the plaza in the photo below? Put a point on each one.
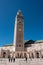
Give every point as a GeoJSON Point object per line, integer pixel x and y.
{"type": "Point", "coordinates": [22, 62]}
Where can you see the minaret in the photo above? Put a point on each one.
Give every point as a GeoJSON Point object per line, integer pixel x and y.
{"type": "Point", "coordinates": [19, 32]}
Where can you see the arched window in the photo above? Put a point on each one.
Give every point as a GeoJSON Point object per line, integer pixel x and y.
{"type": "Point", "coordinates": [24, 54]}
{"type": "Point", "coordinates": [37, 54]}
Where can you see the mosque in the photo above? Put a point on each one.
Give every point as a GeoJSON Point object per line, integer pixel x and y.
{"type": "Point", "coordinates": [21, 48]}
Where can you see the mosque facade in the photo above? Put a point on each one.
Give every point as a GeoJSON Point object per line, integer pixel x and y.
{"type": "Point", "coordinates": [19, 48]}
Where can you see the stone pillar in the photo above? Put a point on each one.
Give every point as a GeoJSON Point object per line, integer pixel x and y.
{"type": "Point", "coordinates": [30, 55]}
{"type": "Point", "coordinates": [34, 54]}
{"type": "Point", "coordinates": [23, 54]}
{"type": "Point", "coordinates": [40, 54]}
{"type": "Point", "coordinates": [14, 54]}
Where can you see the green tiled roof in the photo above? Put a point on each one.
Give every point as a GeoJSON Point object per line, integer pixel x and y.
{"type": "Point", "coordinates": [30, 42]}
{"type": "Point", "coordinates": [40, 41]}
{"type": "Point", "coordinates": [8, 45]}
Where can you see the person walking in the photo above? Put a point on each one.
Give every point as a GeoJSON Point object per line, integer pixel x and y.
{"type": "Point", "coordinates": [13, 58]}
{"type": "Point", "coordinates": [9, 58]}
{"type": "Point", "coordinates": [26, 58]}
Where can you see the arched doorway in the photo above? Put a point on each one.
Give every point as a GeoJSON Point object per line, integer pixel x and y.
{"type": "Point", "coordinates": [17, 55]}
{"type": "Point", "coordinates": [32, 55]}
{"type": "Point", "coordinates": [4, 54]}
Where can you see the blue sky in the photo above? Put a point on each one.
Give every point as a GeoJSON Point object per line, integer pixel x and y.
{"type": "Point", "coordinates": [33, 19]}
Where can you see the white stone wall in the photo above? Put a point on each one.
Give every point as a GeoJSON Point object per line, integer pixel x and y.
{"type": "Point", "coordinates": [34, 49]}
{"type": "Point", "coordinates": [10, 48]}
{"type": "Point", "coordinates": [36, 46]}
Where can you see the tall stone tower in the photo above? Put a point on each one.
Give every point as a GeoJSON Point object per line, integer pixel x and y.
{"type": "Point", "coordinates": [19, 32]}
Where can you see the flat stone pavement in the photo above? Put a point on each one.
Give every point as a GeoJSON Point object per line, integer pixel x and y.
{"type": "Point", "coordinates": [22, 62]}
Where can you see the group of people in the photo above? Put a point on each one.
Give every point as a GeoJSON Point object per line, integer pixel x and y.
{"type": "Point", "coordinates": [11, 58]}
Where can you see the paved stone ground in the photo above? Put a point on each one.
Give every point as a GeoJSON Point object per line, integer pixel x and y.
{"type": "Point", "coordinates": [22, 62]}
